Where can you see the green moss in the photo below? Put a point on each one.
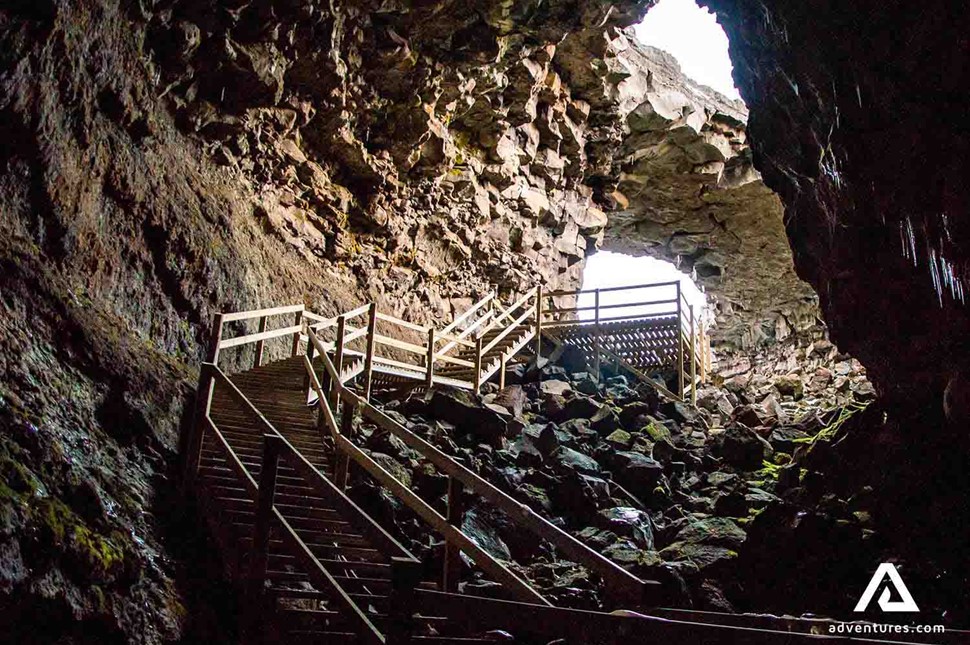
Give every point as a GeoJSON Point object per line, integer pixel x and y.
{"type": "Point", "coordinates": [100, 553]}
{"type": "Point", "coordinates": [657, 432]}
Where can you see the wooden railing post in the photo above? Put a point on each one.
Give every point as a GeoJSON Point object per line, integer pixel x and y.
{"type": "Point", "coordinates": [429, 377]}
{"type": "Point", "coordinates": [402, 605]}
{"type": "Point", "coordinates": [296, 335]}
{"type": "Point", "coordinates": [596, 337]}
{"type": "Point", "coordinates": [215, 338]}
{"type": "Point", "coordinates": [264, 513]}
{"type": "Point", "coordinates": [452, 559]}
{"type": "Point", "coordinates": [501, 372]}
{"type": "Point", "coordinates": [680, 345]}
{"type": "Point", "coordinates": [258, 359]}
{"type": "Point", "coordinates": [478, 364]}
{"type": "Point", "coordinates": [693, 358]}
{"type": "Point", "coordinates": [338, 359]}
{"type": "Point", "coordinates": [538, 322]}
{"type": "Point", "coordinates": [310, 350]}
{"type": "Point", "coordinates": [369, 357]}
{"type": "Point", "coordinates": [192, 446]}
{"type": "Point", "coordinates": [342, 469]}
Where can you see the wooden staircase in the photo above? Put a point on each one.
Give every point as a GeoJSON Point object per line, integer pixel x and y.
{"type": "Point", "coordinates": [269, 472]}
{"type": "Point", "coordinates": [503, 345]}
{"type": "Point", "coordinates": [329, 570]}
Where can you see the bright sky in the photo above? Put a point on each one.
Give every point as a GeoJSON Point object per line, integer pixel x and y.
{"type": "Point", "coordinates": [695, 39]}
{"type": "Point", "coordinates": [606, 269]}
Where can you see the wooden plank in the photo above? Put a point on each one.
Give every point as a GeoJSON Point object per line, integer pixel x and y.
{"type": "Point", "coordinates": [402, 323]}
{"type": "Point", "coordinates": [252, 338]}
{"type": "Point", "coordinates": [258, 313]}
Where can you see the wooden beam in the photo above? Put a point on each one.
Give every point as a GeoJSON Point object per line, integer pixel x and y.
{"type": "Point", "coordinates": [258, 358]}
{"type": "Point", "coordinates": [264, 508]}
{"type": "Point", "coordinates": [369, 357]}
{"type": "Point", "coordinates": [429, 378]}
{"type": "Point", "coordinates": [452, 559]}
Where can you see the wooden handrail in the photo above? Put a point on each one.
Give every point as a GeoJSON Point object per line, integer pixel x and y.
{"type": "Point", "coordinates": [518, 303]}
{"type": "Point", "coordinates": [259, 313]}
{"type": "Point", "coordinates": [576, 292]}
{"type": "Point", "coordinates": [573, 548]}
{"type": "Point", "coordinates": [569, 545]}
{"type": "Point", "coordinates": [512, 326]}
{"type": "Point", "coordinates": [353, 313]}
{"type": "Point", "coordinates": [468, 312]}
{"type": "Point", "coordinates": [266, 335]}
{"type": "Point", "coordinates": [402, 323]}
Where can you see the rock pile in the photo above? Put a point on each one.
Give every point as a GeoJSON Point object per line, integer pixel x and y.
{"type": "Point", "coordinates": [660, 487]}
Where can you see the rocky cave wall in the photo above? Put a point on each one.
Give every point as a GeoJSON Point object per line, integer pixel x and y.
{"type": "Point", "coordinates": [686, 191]}
{"type": "Point", "coordinates": [163, 161]}
{"type": "Point", "coordinates": [877, 222]}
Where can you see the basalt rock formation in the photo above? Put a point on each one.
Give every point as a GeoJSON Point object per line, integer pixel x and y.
{"type": "Point", "coordinates": [162, 161]}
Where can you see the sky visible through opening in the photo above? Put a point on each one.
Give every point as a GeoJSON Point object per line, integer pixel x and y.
{"type": "Point", "coordinates": [693, 36]}
{"type": "Point", "coordinates": [605, 269]}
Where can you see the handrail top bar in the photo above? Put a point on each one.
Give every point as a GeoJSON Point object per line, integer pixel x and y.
{"type": "Point", "coordinates": [669, 283]}
{"type": "Point", "coordinates": [353, 313]}
{"type": "Point", "coordinates": [518, 303]}
{"type": "Point", "coordinates": [263, 335]}
{"type": "Point", "coordinates": [259, 313]}
{"type": "Point", "coordinates": [401, 322]}
{"type": "Point", "coordinates": [617, 305]}
{"type": "Point", "coordinates": [460, 319]}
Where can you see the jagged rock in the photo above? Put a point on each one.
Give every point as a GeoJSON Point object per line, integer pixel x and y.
{"type": "Point", "coordinates": [637, 470]}
{"type": "Point", "coordinates": [512, 398]}
{"type": "Point", "coordinates": [461, 409]}
{"type": "Point", "coordinates": [629, 522]}
{"type": "Point", "coordinates": [742, 447]}
{"type": "Point", "coordinates": [568, 459]}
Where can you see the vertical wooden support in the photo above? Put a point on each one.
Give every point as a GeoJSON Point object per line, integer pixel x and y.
{"type": "Point", "coordinates": [215, 339]}
{"type": "Point", "coordinates": [307, 387]}
{"type": "Point", "coordinates": [191, 444]}
{"type": "Point", "coordinates": [298, 319]}
{"type": "Point", "coordinates": [478, 364]}
{"type": "Point", "coordinates": [538, 322]}
{"type": "Point", "coordinates": [693, 359]}
{"type": "Point", "coordinates": [501, 372]}
{"type": "Point", "coordinates": [369, 357]}
{"type": "Point", "coordinates": [342, 469]}
{"type": "Point", "coordinates": [405, 577]}
{"type": "Point", "coordinates": [338, 360]}
{"type": "Point", "coordinates": [429, 377]}
{"type": "Point", "coordinates": [456, 511]}
{"type": "Point", "coordinates": [264, 513]}
{"type": "Point", "coordinates": [680, 345]}
{"type": "Point", "coordinates": [596, 337]}
{"type": "Point", "coordinates": [258, 359]}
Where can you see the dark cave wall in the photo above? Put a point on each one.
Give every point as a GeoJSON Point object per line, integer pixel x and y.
{"type": "Point", "coordinates": [857, 120]}
{"type": "Point", "coordinates": [131, 211]}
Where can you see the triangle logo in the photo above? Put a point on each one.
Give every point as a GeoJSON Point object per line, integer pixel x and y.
{"type": "Point", "coordinates": [905, 602]}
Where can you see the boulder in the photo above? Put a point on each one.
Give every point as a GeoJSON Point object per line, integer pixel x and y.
{"type": "Point", "coordinates": [567, 459]}
{"type": "Point", "coordinates": [468, 415]}
{"type": "Point", "coordinates": [513, 398]}
{"type": "Point", "coordinates": [636, 470]}
{"type": "Point", "coordinates": [629, 522]}
{"type": "Point", "coordinates": [742, 447]}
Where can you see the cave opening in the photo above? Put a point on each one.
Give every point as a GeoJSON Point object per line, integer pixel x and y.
{"type": "Point", "coordinates": [692, 35]}
{"type": "Point", "coordinates": [605, 270]}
